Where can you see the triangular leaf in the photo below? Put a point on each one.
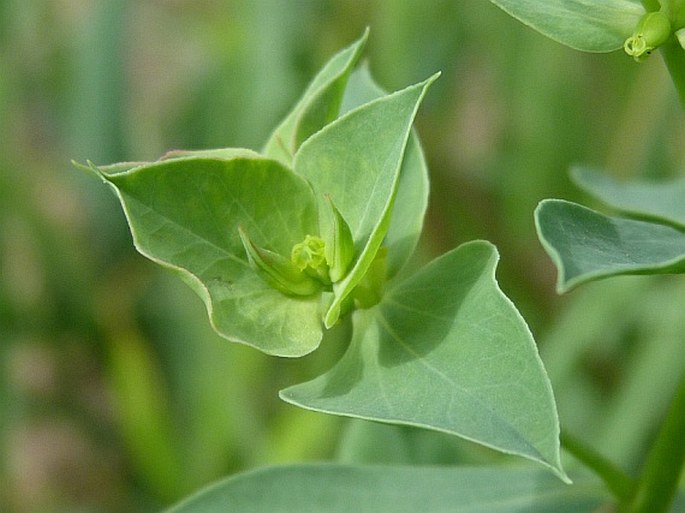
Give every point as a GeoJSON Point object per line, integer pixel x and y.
{"type": "Point", "coordinates": [661, 201]}
{"type": "Point", "coordinates": [357, 161]}
{"type": "Point", "coordinates": [587, 25]}
{"type": "Point", "coordinates": [410, 205]}
{"type": "Point", "coordinates": [586, 245]}
{"type": "Point", "coordinates": [331, 488]}
{"type": "Point", "coordinates": [184, 213]}
{"type": "Point", "coordinates": [318, 106]}
{"type": "Point", "coordinates": [446, 350]}
{"type": "Point", "coordinates": [409, 209]}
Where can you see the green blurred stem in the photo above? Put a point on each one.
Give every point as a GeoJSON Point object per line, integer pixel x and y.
{"type": "Point", "coordinates": [674, 56]}
{"type": "Point", "coordinates": [658, 483]}
{"type": "Point", "coordinates": [617, 481]}
{"type": "Point", "coordinates": [651, 5]}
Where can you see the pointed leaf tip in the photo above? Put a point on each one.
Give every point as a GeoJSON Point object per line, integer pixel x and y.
{"type": "Point", "coordinates": [318, 106]}
{"type": "Point", "coordinates": [88, 168]}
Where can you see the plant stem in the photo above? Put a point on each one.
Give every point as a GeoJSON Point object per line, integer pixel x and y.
{"type": "Point", "coordinates": [617, 481]}
{"type": "Point", "coordinates": [658, 482]}
{"type": "Point", "coordinates": [651, 5]}
{"type": "Point", "coordinates": [674, 57]}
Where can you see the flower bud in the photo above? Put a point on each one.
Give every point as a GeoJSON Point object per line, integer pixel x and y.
{"type": "Point", "coordinates": [278, 271]}
{"type": "Point", "coordinates": [308, 256]}
{"type": "Point", "coordinates": [340, 248]}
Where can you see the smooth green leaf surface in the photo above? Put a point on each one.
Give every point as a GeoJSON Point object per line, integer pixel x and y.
{"type": "Point", "coordinates": [184, 213]}
{"type": "Point", "coordinates": [361, 89]}
{"type": "Point", "coordinates": [411, 201]}
{"type": "Point", "coordinates": [319, 105]}
{"type": "Point", "coordinates": [446, 350]}
{"type": "Point", "coordinates": [357, 161]}
{"type": "Point", "coordinates": [586, 25]}
{"type": "Point", "coordinates": [331, 488]}
{"type": "Point", "coordinates": [674, 58]}
{"type": "Point", "coordinates": [409, 209]}
{"type": "Point", "coordinates": [410, 205]}
{"type": "Point", "coordinates": [661, 201]}
{"type": "Point", "coordinates": [586, 245]}
{"type": "Point", "coordinates": [373, 443]}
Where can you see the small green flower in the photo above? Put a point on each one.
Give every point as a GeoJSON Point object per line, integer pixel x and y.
{"type": "Point", "coordinates": [652, 31]}
{"type": "Point", "coordinates": [309, 257]}
{"type": "Point", "coordinates": [281, 273]}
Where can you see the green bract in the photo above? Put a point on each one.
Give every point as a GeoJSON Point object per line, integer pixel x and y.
{"type": "Point", "coordinates": [187, 213]}
{"type": "Point", "coordinates": [470, 357]}
{"type": "Point", "coordinates": [281, 244]}
{"type": "Point", "coordinates": [586, 245]}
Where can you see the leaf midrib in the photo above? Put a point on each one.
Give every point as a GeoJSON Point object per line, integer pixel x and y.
{"type": "Point", "coordinates": [476, 398]}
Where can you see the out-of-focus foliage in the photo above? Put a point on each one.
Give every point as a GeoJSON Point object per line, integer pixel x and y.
{"type": "Point", "coordinates": [117, 397]}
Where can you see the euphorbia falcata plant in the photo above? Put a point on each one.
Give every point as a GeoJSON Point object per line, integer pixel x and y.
{"type": "Point", "coordinates": [315, 230]}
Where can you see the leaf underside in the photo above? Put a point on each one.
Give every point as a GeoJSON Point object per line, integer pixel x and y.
{"type": "Point", "coordinates": [446, 350]}
{"type": "Point", "coordinates": [586, 25]}
{"type": "Point", "coordinates": [334, 488]}
{"type": "Point", "coordinates": [586, 245]}
{"type": "Point", "coordinates": [661, 201]}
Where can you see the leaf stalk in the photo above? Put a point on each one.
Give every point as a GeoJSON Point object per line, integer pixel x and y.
{"type": "Point", "coordinates": [616, 480]}
{"type": "Point", "coordinates": [674, 57]}
{"type": "Point", "coordinates": [658, 483]}
{"type": "Point", "coordinates": [651, 5]}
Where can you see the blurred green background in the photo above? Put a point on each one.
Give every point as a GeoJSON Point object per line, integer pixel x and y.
{"type": "Point", "coordinates": [116, 396]}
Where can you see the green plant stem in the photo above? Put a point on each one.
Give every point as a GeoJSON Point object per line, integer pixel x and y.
{"type": "Point", "coordinates": [651, 5]}
{"type": "Point", "coordinates": [674, 57]}
{"type": "Point", "coordinates": [658, 483]}
{"type": "Point", "coordinates": [617, 481]}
